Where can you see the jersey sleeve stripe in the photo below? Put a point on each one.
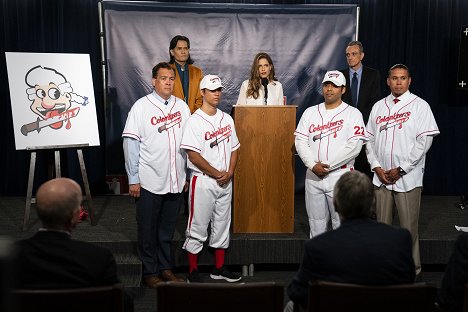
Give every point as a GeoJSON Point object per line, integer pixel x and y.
{"type": "Point", "coordinates": [189, 147]}
{"type": "Point", "coordinates": [131, 135]}
{"type": "Point", "coordinates": [301, 134]}
{"type": "Point", "coordinates": [429, 132]}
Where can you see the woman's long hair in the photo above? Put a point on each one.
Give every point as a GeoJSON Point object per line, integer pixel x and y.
{"type": "Point", "coordinates": [255, 81]}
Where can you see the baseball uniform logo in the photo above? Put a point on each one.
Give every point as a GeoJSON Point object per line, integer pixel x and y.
{"type": "Point", "coordinates": [397, 119]}
{"type": "Point", "coordinates": [330, 128]}
{"type": "Point", "coordinates": [223, 133]}
{"type": "Point", "coordinates": [169, 121]}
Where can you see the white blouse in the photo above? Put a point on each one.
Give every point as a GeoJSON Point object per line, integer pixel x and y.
{"type": "Point", "coordinates": [275, 95]}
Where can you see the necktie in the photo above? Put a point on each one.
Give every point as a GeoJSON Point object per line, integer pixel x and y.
{"type": "Point", "coordinates": [396, 101]}
{"type": "Point", "coordinates": [354, 83]}
{"type": "Point", "coordinates": [165, 103]}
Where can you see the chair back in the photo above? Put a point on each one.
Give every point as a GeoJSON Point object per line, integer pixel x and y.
{"type": "Point", "coordinates": [465, 299]}
{"type": "Point", "coordinates": [215, 297]}
{"type": "Point", "coordinates": [330, 296]}
{"type": "Point", "coordinates": [92, 299]}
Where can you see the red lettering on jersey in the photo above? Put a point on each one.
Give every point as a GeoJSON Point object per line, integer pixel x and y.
{"type": "Point", "coordinates": [210, 135]}
{"type": "Point", "coordinates": [156, 120]}
{"type": "Point", "coordinates": [328, 126]}
{"type": "Point", "coordinates": [394, 117]}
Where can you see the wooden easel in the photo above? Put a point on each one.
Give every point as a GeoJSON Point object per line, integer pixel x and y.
{"type": "Point", "coordinates": [58, 173]}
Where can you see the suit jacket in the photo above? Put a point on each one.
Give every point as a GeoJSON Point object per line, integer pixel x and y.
{"type": "Point", "coordinates": [369, 90]}
{"type": "Point", "coordinates": [360, 251]}
{"type": "Point", "coordinates": [452, 290]}
{"type": "Point", "coordinates": [52, 259]}
{"type": "Point", "coordinates": [194, 99]}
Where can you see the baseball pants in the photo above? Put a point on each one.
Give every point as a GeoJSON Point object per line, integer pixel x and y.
{"type": "Point", "coordinates": [319, 201]}
{"type": "Point", "coordinates": [208, 202]}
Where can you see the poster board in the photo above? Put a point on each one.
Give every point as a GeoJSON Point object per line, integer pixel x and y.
{"type": "Point", "coordinates": [52, 100]}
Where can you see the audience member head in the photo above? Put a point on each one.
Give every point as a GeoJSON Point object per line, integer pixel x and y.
{"type": "Point", "coordinates": [262, 67]}
{"type": "Point", "coordinates": [399, 79]}
{"type": "Point", "coordinates": [354, 54]}
{"type": "Point", "coordinates": [58, 204]}
{"type": "Point", "coordinates": [353, 195]}
{"type": "Point", "coordinates": [179, 50]}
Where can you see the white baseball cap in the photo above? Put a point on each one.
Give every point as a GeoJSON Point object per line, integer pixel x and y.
{"type": "Point", "coordinates": [211, 82]}
{"type": "Point", "coordinates": [336, 77]}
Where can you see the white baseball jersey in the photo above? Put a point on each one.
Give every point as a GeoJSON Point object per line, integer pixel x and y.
{"type": "Point", "coordinates": [213, 137]}
{"type": "Point", "coordinates": [328, 131]}
{"type": "Point", "coordinates": [393, 132]}
{"type": "Point", "coordinates": [275, 95]}
{"type": "Point", "coordinates": [158, 128]}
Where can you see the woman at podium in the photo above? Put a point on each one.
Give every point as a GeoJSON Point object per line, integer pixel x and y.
{"type": "Point", "coordinates": [262, 88]}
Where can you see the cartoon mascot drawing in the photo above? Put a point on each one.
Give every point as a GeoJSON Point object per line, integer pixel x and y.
{"type": "Point", "coordinates": [52, 99]}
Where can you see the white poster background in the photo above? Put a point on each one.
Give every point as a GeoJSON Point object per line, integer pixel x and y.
{"type": "Point", "coordinates": [76, 68]}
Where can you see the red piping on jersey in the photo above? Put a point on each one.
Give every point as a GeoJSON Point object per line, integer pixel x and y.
{"type": "Point", "coordinates": [169, 150]}
{"type": "Point", "coordinates": [224, 144]}
{"type": "Point", "coordinates": [132, 135]}
{"type": "Point", "coordinates": [192, 197]}
{"type": "Point", "coordinates": [429, 131]}
{"type": "Point", "coordinates": [320, 141]}
{"type": "Point", "coordinates": [190, 147]}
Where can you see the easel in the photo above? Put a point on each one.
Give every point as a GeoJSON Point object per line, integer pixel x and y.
{"type": "Point", "coordinates": [58, 173]}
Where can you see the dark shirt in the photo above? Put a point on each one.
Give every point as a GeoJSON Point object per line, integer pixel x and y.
{"type": "Point", "coordinates": [184, 79]}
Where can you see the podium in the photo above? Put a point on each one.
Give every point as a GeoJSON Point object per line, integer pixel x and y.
{"type": "Point", "coordinates": [264, 176]}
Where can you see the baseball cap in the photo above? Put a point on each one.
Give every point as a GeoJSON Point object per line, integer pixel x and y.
{"type": "Point", "coordinates": [336, 77]}
{"type": "Point", "coordinates": [211, 82]}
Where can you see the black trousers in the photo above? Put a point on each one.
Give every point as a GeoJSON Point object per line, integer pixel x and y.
{"type": "Point", "coordinates": [156, 217]}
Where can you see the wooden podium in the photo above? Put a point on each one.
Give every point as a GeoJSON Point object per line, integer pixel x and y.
{"type": "Point", "coordinates": [264, 176]}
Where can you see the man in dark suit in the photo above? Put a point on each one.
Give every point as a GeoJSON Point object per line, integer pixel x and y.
{"type": "Point", "coordinates": [452, 290]}
{"type": "Point", "coordinates": [360, 251]}
{"type": "Point", "coordinates": [368, 81]}
{"type": "Point", "coordinates": [362, 91]}
{"type": "Point", "coordinates": [51, 259]}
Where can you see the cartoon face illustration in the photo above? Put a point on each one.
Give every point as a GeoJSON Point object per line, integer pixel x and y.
{"type": "Point", "coordinates": [51, 97]}
{"type": "Point", "coordinates": [49, 101]}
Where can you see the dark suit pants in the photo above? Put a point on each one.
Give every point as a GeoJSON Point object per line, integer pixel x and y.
{"type": "Point", "coordinates": [156, 217]}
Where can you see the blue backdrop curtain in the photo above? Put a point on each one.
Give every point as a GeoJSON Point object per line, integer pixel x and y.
{"type": "Point", "coordinates": [423, 34]}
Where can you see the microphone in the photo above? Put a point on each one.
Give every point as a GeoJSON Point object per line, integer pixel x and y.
{"type": "Point", "coordinates": [265, 84]}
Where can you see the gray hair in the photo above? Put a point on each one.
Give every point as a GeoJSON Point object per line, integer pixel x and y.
{"type": "Point", "coordinates": [353, 195]}
{"type": "Point", "coordinates": [356, 43]}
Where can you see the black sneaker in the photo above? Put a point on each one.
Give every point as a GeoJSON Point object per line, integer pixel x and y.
{"type": "Point", "coordinates": [225, 274]}
{"type": "Point", "coordinates": [194, 277]}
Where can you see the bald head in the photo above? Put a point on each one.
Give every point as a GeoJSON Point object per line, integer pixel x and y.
{"type": "Point", "coordinates": [58, 201]}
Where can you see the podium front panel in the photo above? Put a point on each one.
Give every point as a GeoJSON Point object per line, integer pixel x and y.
{"type": "Point", "coordinates": [264, 176]}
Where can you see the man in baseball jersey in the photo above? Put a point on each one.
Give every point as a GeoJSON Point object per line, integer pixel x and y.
{"type": "Point", "coordinates": [212, 145]}
{"type": "Point", "coordinates": [400, 128]}
{"type": "Point", "coordinates": [328, 138]}
{"type": "Point", "coordinates": [156, 166]}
